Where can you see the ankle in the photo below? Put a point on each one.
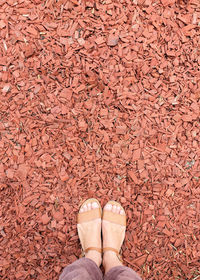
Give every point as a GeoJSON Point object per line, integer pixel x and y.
{"type": "Point", "coordinates": [110, 260]}
{"type": "Point", "coordinates": [94, 256]}
{"type": "Point", "coordinates": [109, 257]}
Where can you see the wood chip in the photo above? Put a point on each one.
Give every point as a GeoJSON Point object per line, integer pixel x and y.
{"type": "Point", "coordinates": [99, 99]}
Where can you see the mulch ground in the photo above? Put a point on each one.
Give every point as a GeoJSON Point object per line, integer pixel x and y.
{"type": "Point", "coordinates": [99, 99]}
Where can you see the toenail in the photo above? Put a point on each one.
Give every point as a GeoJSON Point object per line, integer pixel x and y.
{"type": "Point", "coordinates": [108, 207]}
{"type": "Point", "coordinates": [89, 206]}
{"type": "Point", "coordinates": [95, 205]}
{"type": "Point", "coordinates": [85, 207]}
{"type": "Point", "coordinates": [114, 208]}
{"type": "Point", "coordinates": [81, 210]}
{"type": "Point", "coordinates": [118, 209]}
{"type": "Point", "coordinates": [122, 212]}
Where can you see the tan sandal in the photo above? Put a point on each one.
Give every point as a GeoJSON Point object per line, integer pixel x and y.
{"type": "Point", "coordinates": [116, 219]}
{"type": "Point", "coordinates": [87, 217]}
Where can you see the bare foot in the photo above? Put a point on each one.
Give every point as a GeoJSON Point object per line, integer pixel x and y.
{"type": "Point", "coordinates": [90, 233]}
{"type": "Point", "coordinates": [113, 236]}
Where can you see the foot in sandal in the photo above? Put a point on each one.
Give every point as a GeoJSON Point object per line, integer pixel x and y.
{"type": "Point", "coordinates": [89, 229]}
{"type": "Point", "coordinates": [113, 229]}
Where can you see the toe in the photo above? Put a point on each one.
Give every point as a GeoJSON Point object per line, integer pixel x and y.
{"type": "Point", "coordinates": [81, 210]}
{"type": "Point", "coordinates": [89, 206]}
{"type": "Point", "coordinates": [114, 209]}
{"type": "Point", "coordinates": [122, 212]}
{"type": "Point", "coordinates": [85, 207]}
{"type": "Point", "coordinates": [95, 205]}
{"type": "Point", "coordinates": [118, 209]}
{"type": "Point", "coordinates": [108, 207]}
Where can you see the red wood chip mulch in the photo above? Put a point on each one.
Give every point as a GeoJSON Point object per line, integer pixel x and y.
{"type": "Point", "coordinates": [99, 99]}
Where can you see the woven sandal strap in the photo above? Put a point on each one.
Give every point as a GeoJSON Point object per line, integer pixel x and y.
{"type": "Point", "coordinates": [94, 249]}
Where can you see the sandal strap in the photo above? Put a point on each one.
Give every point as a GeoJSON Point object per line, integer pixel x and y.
{"type": "Point", "coordinates": [113, 250]}
{"type": "Point", "coordinates": [114, 218]}
{"type": "Point", "coordinates": [89, 216]}
{"type": "Point", "coordinates": [110, 249]}
{"type": "Point", "coordinates": [94, 249]}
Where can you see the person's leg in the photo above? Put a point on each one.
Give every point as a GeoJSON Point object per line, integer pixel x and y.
{"type": "Point", "coordinates": [113, 229]}
{"type": "Point", "coordinates": [121, 273]}
{"type": "Point", "coordinates": [82, 269]}
{"type": "Point", "coordinates": [89, 231]}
